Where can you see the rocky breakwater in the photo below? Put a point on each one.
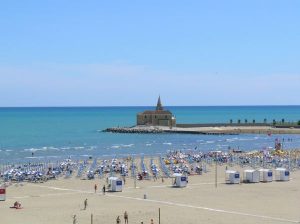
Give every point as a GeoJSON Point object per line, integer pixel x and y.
{"type": "Point", "coordinates": [131, 130]}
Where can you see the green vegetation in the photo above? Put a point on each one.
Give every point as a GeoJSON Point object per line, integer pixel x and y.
{"type": "Point", "coordinates": [298, 122]}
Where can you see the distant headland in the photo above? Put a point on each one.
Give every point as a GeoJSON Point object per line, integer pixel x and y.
{"type": "Point", "coordinates": [164, 121]}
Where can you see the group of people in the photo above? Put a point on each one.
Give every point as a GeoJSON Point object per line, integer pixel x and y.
{"type": "Point", "coordinates": [103, 188]}
{"type": "Point", "coordinates": [118, 220]}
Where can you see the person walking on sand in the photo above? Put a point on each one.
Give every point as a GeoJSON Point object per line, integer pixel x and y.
{"type": "Point", "coordinates": [118, 220]}
{"type": "Point", "coordinates": [74, 219]}
{"type": "Point", "coordinates": [85, 204]}
{"type": "Point", "coordinates": [151, 221]}
{"type": "Point", "coordinates": [95, 187]}
{"type": "Point", "coordinates": [103, 189]}
{"type": "Point", "coordinates": [126, 217]}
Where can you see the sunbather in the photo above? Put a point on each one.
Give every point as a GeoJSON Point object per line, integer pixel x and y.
{"type": "Point", "coordinates": [17, 205]}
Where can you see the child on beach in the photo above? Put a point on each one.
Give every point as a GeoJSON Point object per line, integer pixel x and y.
{"type": "Point", "coordinates": [118, 220]}
{"type": "Point", "coordinates": [95, 187]}
{"type": "Point", "coordinates": [126, 217]}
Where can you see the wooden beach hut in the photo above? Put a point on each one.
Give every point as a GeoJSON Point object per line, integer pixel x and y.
{"type": "Point", "coordinates": [232, 177]}
{"type": "Point", "coordinates": [282, 174]}
{"type": "Point", "coordinates": [251, 176]}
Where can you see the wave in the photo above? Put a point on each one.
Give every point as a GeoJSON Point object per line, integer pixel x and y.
{"type": "Point", "coordinates": [33, 150]}
{"type": "Point", "coordinates": [63, 148]}
{"type": "Point", "coordinates": [78, 147]}
{"type": "Point", "coordinates": [34, 157]}
{"type": "Point", "coordinates": [167, 143]}
{"type": "Point", "coordinates": [127, 146]}
{"type": "Point", "coordinates": [116, 147]}
{"type": "Point", "coordinates": [85, 155]}
{"type": "Point", "coordinates": [43, 149]}
{"type": "Point", "coordinates": [200, 140]}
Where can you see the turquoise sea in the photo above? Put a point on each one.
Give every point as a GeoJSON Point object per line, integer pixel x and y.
{"type": "Point", "coordinates": [62, 132]}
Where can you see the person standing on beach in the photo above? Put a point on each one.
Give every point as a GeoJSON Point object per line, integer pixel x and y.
{"type": "Point", "coordinates": [85, 204]}
{"type": "Point", "coordinates": [74, 219]}
{"type": "Point", "coordinates": [118, 220]}
{"type": "Point", "coordinates": [103, 189]}
{"type": "Point", "coordinates": [126, 217]}
{"type": "Point", "coordinates": [95, 187]}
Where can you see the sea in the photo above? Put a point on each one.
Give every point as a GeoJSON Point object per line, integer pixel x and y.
{"type": "Point", "coordinates": [51, 133]}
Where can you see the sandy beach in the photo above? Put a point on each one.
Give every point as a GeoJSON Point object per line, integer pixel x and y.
{"type": "Point", "coordinates": [56, 201]}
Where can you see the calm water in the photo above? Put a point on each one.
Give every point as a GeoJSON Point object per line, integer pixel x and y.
{"type": "Point", "coordinates": [61, 132]}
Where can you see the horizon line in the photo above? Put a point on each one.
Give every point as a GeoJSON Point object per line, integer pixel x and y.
{"type": "Point", "coordinates": [244, 105]}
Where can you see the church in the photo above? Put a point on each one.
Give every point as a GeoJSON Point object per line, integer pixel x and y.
{"type": "Point", "coordinates": [158, 117]}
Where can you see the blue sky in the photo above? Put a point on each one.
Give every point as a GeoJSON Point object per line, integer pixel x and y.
{"type": "Point", "coordinates": [96, 53]}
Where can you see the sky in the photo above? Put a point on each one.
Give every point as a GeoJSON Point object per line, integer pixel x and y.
{"type": "Point", "coordinates": [126, 53]}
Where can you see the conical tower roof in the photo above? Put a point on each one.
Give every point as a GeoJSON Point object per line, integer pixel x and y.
{"type": "Point", "coordinates": [159, 105]}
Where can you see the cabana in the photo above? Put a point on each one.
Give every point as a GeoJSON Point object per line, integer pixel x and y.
{"type": "Point", "coordinates": [180, 180]}
{"type": "Point", "coordinates": [265, 175]}
{"type": "Point", "coordinates": [232, 177]}
{"type": "Point", "coordinates": [282, 174]}
{"type": "Point", "coordinates": [115, 184]}
{"type": "Point", "coordinates": [2, 193]}
{"type": "Point", "coordinates": [251, 176]}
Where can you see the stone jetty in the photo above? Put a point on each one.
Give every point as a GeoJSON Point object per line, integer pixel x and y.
{"type": "Point", "coordinates": [159, 130]}
{"type": "Point", "coordinates": [209, 130]}
{"type": "Point", "coordinates": [133, 130]}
